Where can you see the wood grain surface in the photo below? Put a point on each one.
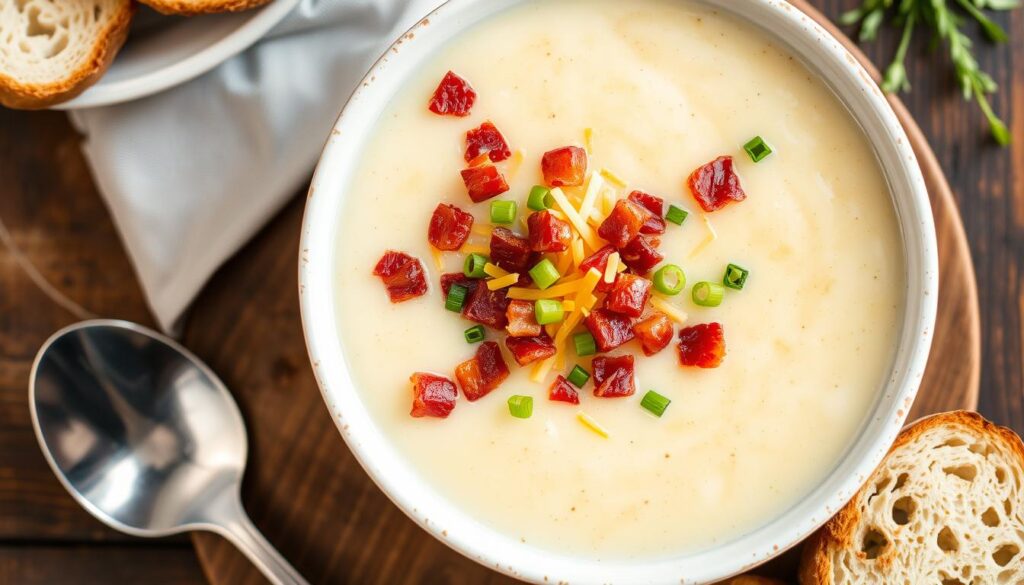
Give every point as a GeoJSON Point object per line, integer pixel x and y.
{"type": "Point", "coordinates": [244, 324]}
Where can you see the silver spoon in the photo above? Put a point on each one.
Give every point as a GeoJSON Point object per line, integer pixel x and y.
{"type": "Point", "coordinates": [145, 436]}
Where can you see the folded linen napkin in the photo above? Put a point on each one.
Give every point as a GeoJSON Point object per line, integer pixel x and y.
{"type": "Point", "coordinates": [192, 173]}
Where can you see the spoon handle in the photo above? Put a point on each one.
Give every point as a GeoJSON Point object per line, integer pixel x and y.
{"type": "Point", "coordinates": [234, 524]}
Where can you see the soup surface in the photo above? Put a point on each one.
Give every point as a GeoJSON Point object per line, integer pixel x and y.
{"type": "Point", "coordinates": [664, 87]}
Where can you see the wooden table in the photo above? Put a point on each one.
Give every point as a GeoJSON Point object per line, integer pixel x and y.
{"type": "Point", "coordinates": [57, 221]}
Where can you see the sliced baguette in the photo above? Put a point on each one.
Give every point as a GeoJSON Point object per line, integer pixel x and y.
{"type": "Point", "coordinates": [51, 50]}
{"type": "Point", "coordinates": [192, 7]}
{"type": "Point", "coordinates": [945, 507]}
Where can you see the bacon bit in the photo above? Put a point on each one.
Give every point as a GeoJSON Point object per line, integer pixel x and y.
{"type": "Point", "coordinates": [432, 395]}
{"type": "Point", "coordinates": [403, 276]}
{"type": "Point", "coordinates": [562, 391]}
{"type": "Point", "coordinates": [629, 295]}
{"type": "Point", "coordinates": [482, 373]}
{"type": "Point", "coordinates": [509, 251]}
{"type": "Point", "coordinates": [613, 376]}
{"type": "Point", "coordinates": [610, 330]}
{"type": "Point", "coordinates": [716, 184]}
{"type": "Point", "coordinates": [486, 307]}
{"type": "Point", "coordinates": [449, 227]}
{"type": "Point", "coordinates": [522, 319]}
{"type": "Point", "coordinates": [624, 222]}
{"type": "Point", "coordinates": [599, 261]}
{"type": "Point", "coordinates": [450, 278]}
{"type": "Point", "coordinates": [654, 332]}
{"type": "Point", "coordinates": [484, 182]}
{"type": "Point", "coordinates": [640, 255]}
{"type": "Point", "coordinates": [564, 167]}
{"type": "Point", "coordinates": [655, 224]}
{"type": "Point", "coordinates": [548, 233]}
{"type": "Point", "coordinates": [527, 350]}
{"type": "Point", "coordinates": [453, 97]}
{"type": "Point", "coordinates": [702, 345]}
{"type": "Point", "coordinates": [486, 139]}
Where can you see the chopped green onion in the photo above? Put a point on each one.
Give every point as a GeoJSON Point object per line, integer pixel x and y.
{"type": "Point", "coordinates": [520, 406]}
{"type": "Point", "coordinates": [757, 149]}
{"type": "Point", "coordinates": [456, 297]}
{"type": "Point", "coordinates": [548, 311]}
{"type": "Point", "coordinates": [474, 266]}
{"type": "Point", "coordinates": [735, 276]}
{"type": "Point", "coordinates": [676, 215]}
{"type": "Point", "coordinates": [708, 294]}
{"type": "Point", "coordinates": [475, 334]}
{"type": "Point", "coordinates": [669, 279]}
{"type": "Point", "coordinates": [503, 211]}
{"type": "Point", "coordinates": [655, 403]}
{"type": "Point", "coordinates": [544, 274]}
{"type": "Point", "coordinates": [585, 344]}
{"type": "Point", "coordinates": [540, 198]}
{"type": "Point", "coordinates": [578, 377]}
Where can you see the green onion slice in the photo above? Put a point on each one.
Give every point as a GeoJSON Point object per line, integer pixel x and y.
{"type": "Point", "coordinates": [548, 311]}
{"type": "Point", "coordinates": [474, 266]}
{"type": "Point", "coordinates": [669, 280]}
{"type": "Point", "coordinates": [676, 215]}
{"type": "Point", "coordinates": [578, 377]}
{"type": "Point", "coordinates": [520, 406]}
{"type": "Point", "coordinates": [585, 344]}
{"type": "Point", "coordinates": [503, 211]}
{"type": "Point", "coordinates": [735, 276]}
{"type": "Point", "coordinates": [544, 274]}
{"type": "Point", "coordinates": [475, 334]}
{"type": "Point", "coordinates": [708, 294]}
{"type": "Point", "coordinates": [456, 297]}
{"type": "Point", "coordinates": [655, 403]}
{"type": "Point", "coordinates": [540, 198]}
{"type": "Point", "coordinates": [757, 149]}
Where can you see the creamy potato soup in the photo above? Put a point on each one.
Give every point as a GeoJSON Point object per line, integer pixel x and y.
{"type": "Point", "coordinates": [649, 92]}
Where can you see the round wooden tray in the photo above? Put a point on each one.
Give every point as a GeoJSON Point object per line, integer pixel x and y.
{"type": "Point", "coordinates": [308, 494]}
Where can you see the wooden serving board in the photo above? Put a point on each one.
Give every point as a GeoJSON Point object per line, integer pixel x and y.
{"type": "Point", "coordinates": [306, 491]}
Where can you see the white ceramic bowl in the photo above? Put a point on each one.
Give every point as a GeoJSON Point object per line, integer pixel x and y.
{"type": "Point", "coordinates": [822, 53]}
{"type": "Point", "coordinates": [164, 51]}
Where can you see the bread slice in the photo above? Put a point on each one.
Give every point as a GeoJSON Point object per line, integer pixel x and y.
{"type": "Point", "coordinates": [51, 50]}
{"type": "Point", "coordinates": [945, 507]}
{"type": "Point", "coordinates": [192, 7]}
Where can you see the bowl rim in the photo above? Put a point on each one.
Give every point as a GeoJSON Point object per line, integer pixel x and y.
{"type": "Point", "coordinates": [156, 80]}
{"type": "Point", "coordinates": [853, 86]}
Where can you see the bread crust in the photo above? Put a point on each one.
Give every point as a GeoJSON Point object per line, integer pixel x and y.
{"type": "Point", "coordinates": [815, 563]}
{"type": "Point", "coordinates": [185, 8]}
{"type": "Point", "coordinates": [34, 96]}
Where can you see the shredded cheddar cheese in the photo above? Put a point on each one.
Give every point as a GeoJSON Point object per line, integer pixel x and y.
{"type": "Point", "coordinates": [494, 271]}
{"type": "Point", "coordinates": [540, 371]}
{"type": "Point", "coordinates": [586, 232]}
{"type": "Point", "coordinates": [578, 255]}
{"type": "Point", "coordinates": [712, 236]}
{"type": "Point", "coordinates": [593, 190]}
{"type": "Point", "coordinates": [588, 140]}
{"type": "Point", "coordinates": [438, 256]}
{"type": "Point", "coordinates": [612, 268]}
{"type": "Point", "coordinates": [673, 312]}
{"type": "Point", "coordinates": [532, 294]}
{"type": "Point", "coordinates": [592, 424]}
{"type": "Point", "coordinates": [503, 282]}
{"type": "Point", "coordinates": [613, 178]}
{"type": "Point", "coordinates": [564, 262]}
{"type": "Point", "coordinates": [468, 248]}
{"type": "Point", "coordinates": [569, 306]}
{"type": "Point", "coordinates": [482, 229]}
{"type": "Point", "coordinates": [514, 163]}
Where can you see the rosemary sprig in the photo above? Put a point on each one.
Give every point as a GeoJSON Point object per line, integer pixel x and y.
{"type": "Point", "coordinates": [945, 24]}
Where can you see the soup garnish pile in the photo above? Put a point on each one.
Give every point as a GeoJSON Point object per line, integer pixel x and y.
{"type": "Point", "coordinates": [577, 267]}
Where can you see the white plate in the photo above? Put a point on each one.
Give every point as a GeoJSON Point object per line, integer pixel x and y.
{"type": "Point", "coordinates": [164, 51]}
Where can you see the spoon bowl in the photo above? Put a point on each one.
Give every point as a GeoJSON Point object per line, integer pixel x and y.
{"type": "Point", "coordinates": [145, 436]}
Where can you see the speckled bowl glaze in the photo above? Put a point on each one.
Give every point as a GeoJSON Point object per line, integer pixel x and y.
{"type": "Point", "coordinates": [442, 518]}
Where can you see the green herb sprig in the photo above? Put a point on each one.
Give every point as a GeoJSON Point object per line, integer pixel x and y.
{"type": "Point", "coordinates": [945, 24]}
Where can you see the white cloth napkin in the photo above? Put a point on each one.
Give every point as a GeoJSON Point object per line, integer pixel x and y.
{"type": "Point", "coordinates": [192, 173]}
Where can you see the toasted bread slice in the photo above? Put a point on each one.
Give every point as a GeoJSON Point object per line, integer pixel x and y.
{"type": "Point", "coordinates": [945, 507]}
{"type": "Point", "coordinates": [191, 7]}
{"type": "Point", "coordinates": [51, 50]}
